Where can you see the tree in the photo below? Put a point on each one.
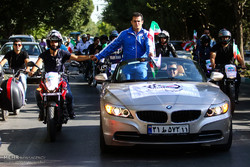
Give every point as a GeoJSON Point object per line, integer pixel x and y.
{"type": "Point", "coordinates": [181, 17]}
{"type": "Point", "coordinates": [20, 17]}
{"type": "Point", "coordinates": [239, 14]}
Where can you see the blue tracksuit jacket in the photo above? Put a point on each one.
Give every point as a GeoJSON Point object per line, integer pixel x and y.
{"type": "Point", "coordinates": [133, 45]}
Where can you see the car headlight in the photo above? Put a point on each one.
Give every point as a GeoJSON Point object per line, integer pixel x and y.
{"type": "Point", "coordinates": [118, 111]}
{"type": "Point", "coordinates": [217, 109]}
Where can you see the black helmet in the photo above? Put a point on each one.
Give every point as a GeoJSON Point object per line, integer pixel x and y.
{"type": "Point", "coordinates": [104, 37]}
{"type": "Point", "coordinates": [113, 34]}
{"type": "Point", "coordinates": [224, 33]}
{"type": "Point", "coordinates": [205, 39]}
{"type": "Point", "coordinates": [164, 34]}
{"type": "Point", "coordinates": [54, 35]}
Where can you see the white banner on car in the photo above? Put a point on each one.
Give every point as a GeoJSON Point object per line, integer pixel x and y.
{"type": "Point", "coordinates": [144, 90]}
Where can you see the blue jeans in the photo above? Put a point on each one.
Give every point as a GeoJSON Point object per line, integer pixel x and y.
{"type": "Point", "coordinates": [69, 99]}
{"type": "Point", "coordinates": [23, 80]}
{"type": "Point", "coordinates": [137, 72]}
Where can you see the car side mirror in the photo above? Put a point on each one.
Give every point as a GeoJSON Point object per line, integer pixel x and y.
{"type": "Point", "coordinates": [102, 77]}
{"type": "Point", "coordinates": [216, 76]}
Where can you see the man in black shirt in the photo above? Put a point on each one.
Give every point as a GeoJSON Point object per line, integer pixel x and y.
{"type": "Point", "coordinates": [222, 53]}
{"type": "Point", "coordinates": [54, 60]}
{"type": "Point", "coordinates": [94, 48]}
{"type": "Point", "coordinates": [17, 59]}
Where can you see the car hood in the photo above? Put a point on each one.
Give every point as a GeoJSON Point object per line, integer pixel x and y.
{"type": "Point", "coordinates": [161, 93]}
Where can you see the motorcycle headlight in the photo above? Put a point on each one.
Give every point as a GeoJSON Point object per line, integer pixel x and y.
{"type": "Point", "coordinates": [217, 109]}
{"type": "Point", "coordinates": [118, 111]}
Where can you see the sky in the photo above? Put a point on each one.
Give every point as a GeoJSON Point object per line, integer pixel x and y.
{"type": "Point", "coordinates": [99, 6]}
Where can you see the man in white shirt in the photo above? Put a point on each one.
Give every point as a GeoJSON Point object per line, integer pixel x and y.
{"type": "Point", "coordinates": [82, 46]}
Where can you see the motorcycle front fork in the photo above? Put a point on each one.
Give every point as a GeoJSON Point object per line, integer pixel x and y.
{"type": "Point", "coordinates": [63, 116]}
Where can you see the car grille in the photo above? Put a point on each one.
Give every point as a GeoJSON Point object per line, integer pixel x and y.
{"type": "Point", "coordinates": [140, 138]}
{"type": "Point", "coordinates": [185, 115]}
{"type": "Point", "coordinates": [152, 116]}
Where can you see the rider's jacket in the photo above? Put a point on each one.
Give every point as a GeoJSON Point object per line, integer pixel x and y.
{"type": "Point", "coordinates": [202, 53]}
{"type": "Point", "coordinates": [165, 49]}
{"type": "Point", "coordinates": [133, 45]}
{"type": "Point", "coordinates": [223, 55]}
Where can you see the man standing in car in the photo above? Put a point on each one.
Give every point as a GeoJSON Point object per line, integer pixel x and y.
{"type": "Point", "coordinates": [135, 44]}
{"type": "Point", "coordinates": [18, 59]}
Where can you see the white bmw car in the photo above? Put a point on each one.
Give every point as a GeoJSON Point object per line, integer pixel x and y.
{"type": "Point", "coordinates": [164, 109]}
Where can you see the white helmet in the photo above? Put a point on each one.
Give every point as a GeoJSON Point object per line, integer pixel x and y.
{"type": "Point", "coordinates": [54, 35]}
{"type": "Point", "coordinates": [164, 34]}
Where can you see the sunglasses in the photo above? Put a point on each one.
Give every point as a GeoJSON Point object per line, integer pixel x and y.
{"type": "Point", "coordinates": [172, 69]}
{"type": "Point", "coordinates": [17, 45]}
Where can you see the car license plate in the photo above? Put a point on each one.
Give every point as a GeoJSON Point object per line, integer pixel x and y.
{"type": "Point", "coordinates": [168, 129]}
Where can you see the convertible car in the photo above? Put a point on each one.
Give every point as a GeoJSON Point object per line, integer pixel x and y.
{"type": "Point", "coordinates": [175, 103]}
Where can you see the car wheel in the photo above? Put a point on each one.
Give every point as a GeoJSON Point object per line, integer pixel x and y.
{"type": "Point", "coordinates": [4, 114]}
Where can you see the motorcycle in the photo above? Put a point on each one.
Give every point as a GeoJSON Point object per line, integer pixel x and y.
{"type": "Point", "coordinates": [12, 94]}
{"type": "Point", "coordinates": [110, 64]}
{"type": "Point", "coordinates": [52, 91]}
{"type": "Point", "coordinates": [228, 83]}
{"type": "Point", "coordinates": [106, 65]}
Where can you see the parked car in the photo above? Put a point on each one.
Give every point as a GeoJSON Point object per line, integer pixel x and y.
{"type": "Point", "coordinates": [180, 51]}
{"type": "Point", "coordinates": [32, 48]}
{"type": "Point", "coordinates": [23, 38]}
{"type": "Point", "coordinates": [162, 110]}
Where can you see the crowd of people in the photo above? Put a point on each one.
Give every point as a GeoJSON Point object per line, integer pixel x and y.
{"type": "Point", "coordinates": [129, 44]}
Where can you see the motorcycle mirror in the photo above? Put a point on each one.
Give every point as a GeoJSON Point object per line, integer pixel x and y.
{"type": "Point", "coordinates": [102, 77]}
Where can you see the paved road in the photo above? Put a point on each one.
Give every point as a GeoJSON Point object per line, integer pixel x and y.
{"type": "Point", "coordinates": [25, 143]}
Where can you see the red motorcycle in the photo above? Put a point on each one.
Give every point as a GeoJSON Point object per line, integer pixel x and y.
{"type": "Point", "coordinates": [52, 92]}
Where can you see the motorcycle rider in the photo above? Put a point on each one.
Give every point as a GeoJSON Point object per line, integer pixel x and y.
{"type": "Point", "coordinates": [104, 41]}
{"type": "Point", "coordinates": [18, 59]}
{"type": "Point", "coordinates": [116, 56]}
{"type": "Point", "coordinates": [82, 46]}
{"type": "Point", "coordinates": [202, 53]}
{"type": "Point", "coordinates": [164, 47]}
{"type": "Point", "coordinates": [222, 53]}
{"type": "Point", "coordinates": [118, 53]}
{"type": "Point", "coordinates": [54, 60]}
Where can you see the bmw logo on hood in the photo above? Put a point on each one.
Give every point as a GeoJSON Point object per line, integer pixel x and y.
{"type": "Point", "coordinates": [169, 107]}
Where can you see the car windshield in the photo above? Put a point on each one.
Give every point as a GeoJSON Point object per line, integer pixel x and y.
{"type": "Point", "coordinates": [31, 49]}
{"type": "Point", "coordinates": [164, 69]}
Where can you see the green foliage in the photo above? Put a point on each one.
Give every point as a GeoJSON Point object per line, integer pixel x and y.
{"type": "Point", "coordinates": [104, 28]}
{"type": "Point", "coordinates": [23, 17]}
{"type": "Point", "coordinates": [179, 17]}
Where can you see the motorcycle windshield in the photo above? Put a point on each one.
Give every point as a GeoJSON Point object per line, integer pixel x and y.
{"type": "Point", "coordinates": [51, 80]}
